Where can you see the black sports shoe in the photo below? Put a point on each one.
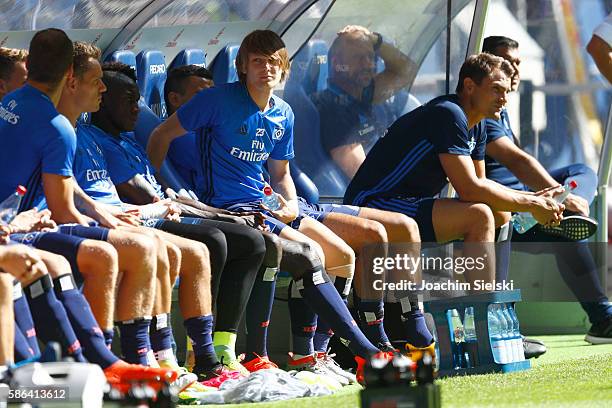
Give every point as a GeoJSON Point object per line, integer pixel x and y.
{"type": "Point", "coordinates": [600, 333]}
{"type": "Point", "coordinates": [572, 227]}
{"type": "Point", "coordinates": [533, 348]}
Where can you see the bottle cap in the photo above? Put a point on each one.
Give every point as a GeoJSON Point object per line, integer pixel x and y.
{"type": "Point", "coordinates": [21, 190]}
{"type": "Point", "coordinates": [267, 190]}
{"type": "Point", "coordinates": [573, 184]}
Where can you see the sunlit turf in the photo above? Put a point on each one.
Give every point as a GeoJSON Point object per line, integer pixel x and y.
{"type": "Point", "coordinates": [571, 374]}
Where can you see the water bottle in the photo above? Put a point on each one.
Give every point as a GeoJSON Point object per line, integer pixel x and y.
{"type": "Point", "coordinates": [517, 331]}
{"type": "Point", "coordinates": [505, 332]}
{"type": "Point", "coordinates": [498, 347]}
{"type": "Point", "coordinates": [270, 199]}
{"type": "Point", "coordinates": [471, 341]}
{"type": "Point", "coordinates": [515, 336]}
{"type": "Point", "coordinates": [457, 335]}
{"type": "Point", "coordinates": [524, 221]}
{"type": "Point", "coordinates": [10, 206]}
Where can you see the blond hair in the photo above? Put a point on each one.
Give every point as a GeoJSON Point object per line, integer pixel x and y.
{"type": "Point", "coordinates": [83, 51]}
{"type": "Point", "coordinates": [8, 58]}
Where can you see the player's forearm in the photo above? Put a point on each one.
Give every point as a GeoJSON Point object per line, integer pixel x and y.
{"type": "Point", "coordinates": [498, 197]}
{"type": "Point", "coordinates": [531, 173]}
{"type": "Point", "coordinates": [285, 187]}
{"type": "Point", "coordinates": [397, 63]}
{"type": "Point", "coordinates": [157, 148]}
{"type": "Point", "coordinates": [137, 191]}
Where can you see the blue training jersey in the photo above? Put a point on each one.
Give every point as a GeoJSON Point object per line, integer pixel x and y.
{"type": "Point", "coordinates": [405, 162]}
{"type": "Point", "coordinates": [90, 167]}
{"type": "Point", "coordinates": [235, 139]}
{"type": "Point", "coordinates": [126, 158]}
{"type": "Point", "coordinates": [35, 139]}
{"type": "Point", "coordinates": [496, 171]}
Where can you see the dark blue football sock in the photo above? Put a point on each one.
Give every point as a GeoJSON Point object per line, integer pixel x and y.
{"type": "Point", "coordinates": [135, 343]}
{"type": "Point", "coordinates": [324, 331]}
{"type": "Point", "coordinates": [324, 299]}
{"type": "Point", "coordinates": [258, 312]}
{"type": "Point", "coordinates": [23, 319]}
{"type": "Point", "coordinates": [417, 332]}
{"type": "Point", "coordinates": [199, 330]}
{"type": "Point", "coordinates": [303, 323]}
{"type": "Point", "coordinates": [372, 316]}
{"type": "Point", "coordinates": [23, 351]}
{"type": "Point", "coordinates": [50, 318]}
{"type": "Point", "coordinates": [83, 322]}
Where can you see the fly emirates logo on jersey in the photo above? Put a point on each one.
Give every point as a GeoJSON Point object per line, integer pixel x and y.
{"type": "Point", "coordinates": [258, 151]}
{"type": "Point", "coordinates": [7, 115]}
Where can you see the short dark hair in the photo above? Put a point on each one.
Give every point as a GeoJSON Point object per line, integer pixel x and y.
{"type": "Point", "coordinates": [479, 66]}
{"type": "Point", "coordinates": [83, 51]}
{"type": "Point", "coordinates": [49, 56]}
{"type": "Point", "coordinates": [8, 58]}
{"type": "Point", "coordinates": [264, 42]}
{"type": "Point", "coordinates": [116, 66]}
{"type": "Point", "coordinates": [175, 81]}
{"type": "Point", "coordinates": [492, 43]}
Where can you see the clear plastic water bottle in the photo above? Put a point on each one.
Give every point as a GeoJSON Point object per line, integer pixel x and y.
{"type": "Point", "coordinates": [524, 221]}
{"type": "Point", "coordinates": [10, 206]}
{"type": "Point", "coordinates": [471, 341]}
{"type": "Point", "coordinates": [517, 333]}
{"type": "Point", "coordinates": [270, 199]}
{"type": "Point", "coordinates": [505, 332]}
{"type": "Point", "coordinates": [498, 347]}
{"type": "Point", "coordinates": [457, 335]}
{"type": "Point", "coordinates": [515, 337]}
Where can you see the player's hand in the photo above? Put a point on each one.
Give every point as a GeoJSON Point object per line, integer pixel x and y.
{"type": "Point", "coordinates": [547, 211]}
{"type": "Point", "coordinates": [21, 262]}
{"type": "Point", "coordinates": [33, 220]}
{"type": "Point", "coordinates": [174, 212]}
{"type": "Point", "coordinates": [5, 232]}
{"type": "Point", "coordinates": [108, 220]}
{"type": "Point", "coordinates": [129, 219]}
{"type": "Point", "coordinates": [286, 213]}
{"type": "Point", "coordinates": [255, 219]}
{"type": "Point", "coordinates": [577, 204]}
{"type": "Point", "coordinates": [550, 192]}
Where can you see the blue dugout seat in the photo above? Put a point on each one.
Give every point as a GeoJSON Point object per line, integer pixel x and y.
{"type": "Point", "coordinates": [224, 65]}
{"type": "Point", "coordinates": [125, 56]}
{"type": "Point", "coordinates": [151, 73]}
{"type": "Point", "coordinates": [189, 56]}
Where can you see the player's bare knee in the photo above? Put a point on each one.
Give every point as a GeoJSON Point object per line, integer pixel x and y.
{"type": "Point", "coordinates": [196, 259]}
{"type": "Point", "coordinates": [99, 258]}
{"type": "Point", "coordinates": [410, 227]}
{"type": "Point", "coordinates": [374, 233]}
{"type": "Point", "coordinates": [480, 217]}
{"type": "Point", "coordinates": [140, 249]}
{"type": "Point", "coordinates": [57, 265]}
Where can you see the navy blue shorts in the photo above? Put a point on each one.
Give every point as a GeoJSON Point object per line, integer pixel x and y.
{"type": "Point", "coordinates": [275, 225]}
{"type": "Point", "coordinates": [57, 243]}
{"type": "Point", "coordinates": [320, 211]}
{"type": "Point", "coordinates": [77, 230]}
{"type": "Point", "coordinates": [418, 208]}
